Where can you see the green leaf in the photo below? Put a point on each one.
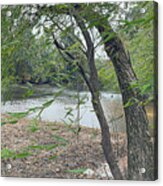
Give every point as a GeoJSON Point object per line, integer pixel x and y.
{"type": "Point", "coordinates": [9, 122]}
{"type": "Point", "coordinates": [108, 38]}
{"type": "Point", "coordinates": [28, 93]}
{"type": "Point", "coordinates": [34, 109]}
{"type": "Point", "coordinates": [133, 84]}
{"type": "Point", "coordinates": [131, 102]}
{"type": "Point", "coordinates": [18, 115]}
{"type": "Point", "coordinates": [137, 21]}
{"type": "Point", "coordinates": [60, 139]}
{"type": "Point", "coordinates": [44, 147]}
{"type": "Point", "coordinates": [48, 103]}
{"type": "Point", "coordinates": [53, 157]}
{"type": "Point", "coordinates": [74, 46]}
{"type": "Point", "coordinates": [57, 94]}
{"type": "Point", "coordinates": [69, 112]}
{"type": "Point", "coordinates": [77, 171]}
{"type": "Point", "coordinates": [145, 88]}
{"type": "Point", "coordinates": [33, 127]}
{"type": "Point", "coordinates": [22, 155]}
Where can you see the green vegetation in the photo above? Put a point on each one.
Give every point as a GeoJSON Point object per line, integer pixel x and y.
{"type": "Point", "coordinates": [29, 55]}
{"type": "Point", "coordinates": [77, 171]}
{"type": "Point", "coordinates": [60, 139]}
{"type": "Point", "coordinates": [44, 147]}
{"type": "Point", "coordinates": [33, 127]}
{"type": "Point", "coordinates": [8, 153]}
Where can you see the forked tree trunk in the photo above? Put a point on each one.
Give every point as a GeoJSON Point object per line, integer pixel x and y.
{"type": "Point", "coordinates": [140, 151]}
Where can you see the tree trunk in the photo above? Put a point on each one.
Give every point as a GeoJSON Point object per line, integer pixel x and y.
{"type": "Point", "coordinates": [93, 86]}
{"type": "Point", "coordinates": [140, 150]}
{"type": "Point", "coordinates": [106, 139]}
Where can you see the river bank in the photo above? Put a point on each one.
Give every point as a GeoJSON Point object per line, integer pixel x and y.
{"type": "Point", "coordinates": [33, 148]}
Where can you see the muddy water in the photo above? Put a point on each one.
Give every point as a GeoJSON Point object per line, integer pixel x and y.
{"type": "Point", "coordinates": [83, 114]}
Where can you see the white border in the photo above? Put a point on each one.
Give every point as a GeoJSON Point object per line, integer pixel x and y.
{"type": "Point", "coordinates": [60, 182]}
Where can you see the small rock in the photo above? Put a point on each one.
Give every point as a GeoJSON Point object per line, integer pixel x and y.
{"type": "Point", "coordinates": [8, 166]}
{"type": "Point", "coordinates": [57, 169]}
{"type": "Point", "coordinates": [89, 172]}
{"type": "Point", "coordinates": [104, 171]}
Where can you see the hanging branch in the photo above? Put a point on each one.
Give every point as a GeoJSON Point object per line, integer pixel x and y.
{"type": "Point", "coordinates": [82, 47]}
{"type": "Point", "coordinates": [81, 70]}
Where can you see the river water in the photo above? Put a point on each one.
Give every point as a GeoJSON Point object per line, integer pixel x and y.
{"type": "Point", "coordinates": [82, 114]}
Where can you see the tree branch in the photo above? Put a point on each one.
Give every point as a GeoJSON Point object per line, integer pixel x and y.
{"type": "Point", "coordinates": [81, 70]}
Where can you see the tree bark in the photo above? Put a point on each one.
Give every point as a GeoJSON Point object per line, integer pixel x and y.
{"type": "Point", "coordinates": [140, 150]}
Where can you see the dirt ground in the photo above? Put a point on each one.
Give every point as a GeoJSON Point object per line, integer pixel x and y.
{"type": "Point", "coordinates": [56, 151]}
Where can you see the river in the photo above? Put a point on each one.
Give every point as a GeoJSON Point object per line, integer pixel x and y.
{"type": "Point", "coordinates": [67, 102]}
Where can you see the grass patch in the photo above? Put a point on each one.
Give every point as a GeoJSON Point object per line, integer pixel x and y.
{"type": "Point", "coordinates": [33, 127]}
{"type": "Point", "coordinates": [8, 122]}
{"type": "Point", "coordinates": [8, 153]}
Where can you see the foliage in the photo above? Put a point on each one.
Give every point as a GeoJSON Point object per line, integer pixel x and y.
{"type": "Point", "coordinates": [7, 153]}
{"type": "Point", "coordinates": [138, 35]}
{"type": "Point", "coordinates": [28, 54]}
{"type": "Point", "coordinates": [107, 76]}
{"type": "Point", "coordinates": [33, 127]}
{"type": "Point", "coordinates": [43, 147]}
{"type": "Point", "coordinates": [77, 171]}
{"type": "Point", "coordinates": [13, 117]}
{"type": "Point", "coordinates": [60, 139]}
